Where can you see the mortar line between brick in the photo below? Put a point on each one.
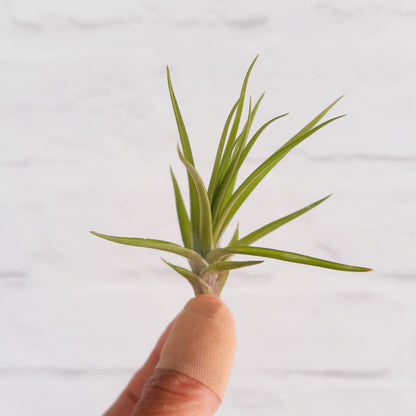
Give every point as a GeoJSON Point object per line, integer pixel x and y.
{"type": "Point", "coordinates": [341, 375]}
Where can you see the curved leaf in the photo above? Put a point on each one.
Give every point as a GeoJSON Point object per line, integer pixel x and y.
{"type": "Point", "coordinates": [197, 283]}
{"type": "Point", "coordinates": [245, 189]}
{"type": "Point", "coordinates": [158, 245]}
{"type": "Point", "coordinates": [215, 170]}
{"type": "Point", "coordinates": [237, 118]}
{"type": "Point", "coordinates": [234, 238]}
{"type": "Point", "coordinates": [231, 162]}
{"type": "Point", "coordinates": [186, 146]}
{"type": "Point", "coordinates": [227, 182]}
{"type": "Point", "coordinates": [183, 219]}
{"type": "Point", "coordinates": [250, 144]}
{"type": "Point", "coordinates": [261, 232]}
{"type": "Point", "coordinates": [183, 135]}
{"type": "Point", "coordinates": [291, 257]}
{"type": "Point", "coordinates": [229, 265]}
{"type": "Point", "coordinates": [205, 226]}
{"type": "Point", "coordinates": [318, 118]}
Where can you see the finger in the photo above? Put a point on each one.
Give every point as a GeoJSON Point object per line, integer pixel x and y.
{"type": "Point", "coordinates": [125, 403]}
{"type": "Point", "coordinates": [195, 362]}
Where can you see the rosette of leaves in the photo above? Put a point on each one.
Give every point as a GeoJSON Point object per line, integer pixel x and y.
{"type": "Point", "coordinates": [213, 207]}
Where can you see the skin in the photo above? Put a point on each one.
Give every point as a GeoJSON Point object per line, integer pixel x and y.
{"type": "Point", "coordinates": [163, 392]}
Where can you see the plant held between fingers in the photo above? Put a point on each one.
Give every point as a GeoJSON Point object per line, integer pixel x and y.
{"type": "Point", "coordinates": [212, 208]}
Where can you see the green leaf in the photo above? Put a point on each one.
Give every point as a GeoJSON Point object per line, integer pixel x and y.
{"type": "Point", "coordinates": [228, 265]}
{"type": "Point", "coordinates": [288, 256]}
{"type": "Point", "coordinates": [239, 144]}
{"type": "Point", "coordinates": [190, 276]}
{"type": "Point", "coordinates": [188, 155]}
{"type": "Point", "coordinates": [234, 238]}
{"type": "Point", "coordinates": [255, 137]}
{"type": "Point", "coordinates": [238, 161]}
{"type": "Point", "coordinates": [186, 146]}
{"type": "Point", "coordinates": [183, 219]}
{"type": "Point", "coordinates": [245, 189]}
{"type": "Point", "coordinates": [205, 227]}
{"type": "Point", "coordinates": [193, 256]}
{"type": "Point", "coordinates": [215, 169]}
{"type": "Point", "coordinates": [261, 232]}
{"type": "Point", "coordinates": [225, 160]}
{"type": "Point", "coordinates": [196, 282]}
{"type": "Point", "coordinates": [318, 118]}
{"type": "Point", "coordinates": [228, 180]}
{"type": "Point", "coordinates": [234, 152]}
{"type": "Point", "coordinates": [236, 123]}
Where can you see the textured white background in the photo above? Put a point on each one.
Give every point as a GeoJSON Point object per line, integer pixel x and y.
{"type": "Point", "coordinates": [87, 135]}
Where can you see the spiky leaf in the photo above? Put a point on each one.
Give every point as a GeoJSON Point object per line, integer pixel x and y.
{"type": "Point", "coordinates": [288, 256]}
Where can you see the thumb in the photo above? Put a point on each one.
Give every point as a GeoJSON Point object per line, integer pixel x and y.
{"type": "Point", "coordinates": [195, 362]}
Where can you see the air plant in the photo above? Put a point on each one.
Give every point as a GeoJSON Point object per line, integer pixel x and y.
{"type": "Point", "coordinates": [213, 207]}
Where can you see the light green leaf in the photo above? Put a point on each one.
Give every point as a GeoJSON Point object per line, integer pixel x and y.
{"type": "Point", "coordinates": [318, 118]}
{"type": "Point", "coordinates": [238, 161]}
{"type": "Point", "coordinates": [228, 180]}
{"type": "Point", "coordinates": [183, 219]}
{"type": "Point", "coordinates": [236, 123]}
{"type": "Point", "coordinates": [192, 278]}
{"type": "Point", "coordinates": [261, 232]}
{"type": "Point", "coordinates": [250, 144]}
{"type": "Point", "coordinates": [234, 238]}
{"type": "Point", "coordinates": [188, 155]}
{"type": "Point", "coordinates": [288, 256]}
{"type": "Point", "coordinates": [228, 265]}
{"type": "Point", "coordinates": [215, 169]}
{"type": "Point", "coordinates": [225, 160]}
{"type": "Point", "coordinates": [230, 158]}
{"type": "Point", "coordinates": [205, 226]}
{"type": "Point", "coordinates": [186, 146]}
{"type": "Point", "coordinates": [239, 144]}
{"type": "Point", "coordinates": [194, 257]}
{"type": "Point", "coordinates": [245, 189]}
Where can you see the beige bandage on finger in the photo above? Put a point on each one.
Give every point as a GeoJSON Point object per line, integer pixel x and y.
{"type": "Point", "coordinates": [202, 343]}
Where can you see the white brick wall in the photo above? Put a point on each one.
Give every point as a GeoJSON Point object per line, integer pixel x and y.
{"type": "Point", "coordinates": [85, 117]}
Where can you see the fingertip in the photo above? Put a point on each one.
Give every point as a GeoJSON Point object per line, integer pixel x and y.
{"type": "Point", "coordinates": [202, 343]}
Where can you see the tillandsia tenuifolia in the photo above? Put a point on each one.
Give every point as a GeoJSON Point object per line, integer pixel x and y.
{"type": "Point", "coordinates": [212, 208]}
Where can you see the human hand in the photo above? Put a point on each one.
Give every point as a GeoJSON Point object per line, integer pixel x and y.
{"type": "Point", "coordinates": [188, 370]}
